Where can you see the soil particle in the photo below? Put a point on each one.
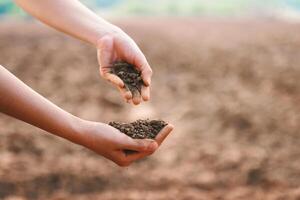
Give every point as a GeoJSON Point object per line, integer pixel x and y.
{"type": "Point", "coordinates": [140, 129]}
{"type": "Point", "coordinates": [129, 75]}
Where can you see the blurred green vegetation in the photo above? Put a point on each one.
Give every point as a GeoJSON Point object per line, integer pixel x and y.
{"type": "Point", "coordinates": [8, 7]}
{"type": "Point", "coordinates": [173, 7]}
{"type": "Point", "coordinates": [178, 7]}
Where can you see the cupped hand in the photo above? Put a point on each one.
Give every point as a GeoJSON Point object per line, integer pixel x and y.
{"type": "Point", "coordinates": [112, 144]}
{"type": "Point", "coordinates": [118, 46]}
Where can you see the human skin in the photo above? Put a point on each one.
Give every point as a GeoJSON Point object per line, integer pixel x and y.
{"type": "Point", "coordinates": [113, 44]}
{"type": "Point", "coordinates": [20, 101]}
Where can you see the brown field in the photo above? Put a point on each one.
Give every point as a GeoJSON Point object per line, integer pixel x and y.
{"type": "Point", "coordinates": [231, 88]}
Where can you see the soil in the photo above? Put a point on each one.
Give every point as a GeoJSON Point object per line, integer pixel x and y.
{"type": "Point", "coordinates": [129, 75]}
{"type": "Point", "coordinates": [231, 89]}
{"type": "Point", "coordinates": [140, 129]}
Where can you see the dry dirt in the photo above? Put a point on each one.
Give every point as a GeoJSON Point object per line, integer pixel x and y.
{"type": "Point", "coordinates": [231, 88]}
{"type": "Point", "coordinates": [130, 76]}
{"type": "Point", "coordinates": [140, 129]}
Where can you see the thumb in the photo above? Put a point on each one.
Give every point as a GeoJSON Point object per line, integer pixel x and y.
{"type": "Point", "coordinates": [105, 52]}
{"type": "Point", "coordinates": [105, 56]}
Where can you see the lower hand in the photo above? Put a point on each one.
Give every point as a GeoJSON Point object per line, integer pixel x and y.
{"type": "Point", "coordinates": [112, 144]}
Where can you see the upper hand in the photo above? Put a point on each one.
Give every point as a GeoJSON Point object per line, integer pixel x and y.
{"type": "Point", "coordinates": [118, 46]}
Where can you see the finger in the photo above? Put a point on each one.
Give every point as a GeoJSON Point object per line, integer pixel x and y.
{"type": "Point", "coordinates": [163, 134]}
{"type": "Point", "coordinates": [124, 160]}
{"type": "Point", "coordinates": [119, 158]}
{"type": "Point", "coordinates": [139, 145]}
{"type": "Point", "coordinates": [142, 64]}
{"type": "Point", "coordinates": [128, 152]}
{"type": "Point", "coordinates": [126, 94]}
{"type": "Point", "coordinates": [129, 101]}
{"type": "Point", "coordinates": [105, 57]}
{"type": "Point", "coordinates": [144, 67]}
{"type": "Point", "coordinates": [136, 99]}
{"type": "Point", "coordinates": [113, 79]}
{"type": "Point", "coordinates": [146, 74]}
{"type": "Point", "coordinates": [146, 93]}
{"type": "Point", "coordinates": [135, 156]}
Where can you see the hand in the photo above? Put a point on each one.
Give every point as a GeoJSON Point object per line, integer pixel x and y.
{"type": "Point", "coordinates": [118, 46]}
{"type": "Point", "coordinates": [112, 43]}
{"type": "Point", "coordinates": [112, 144]}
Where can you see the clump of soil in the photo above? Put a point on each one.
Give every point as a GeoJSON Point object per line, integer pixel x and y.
{"type": "Point", "coordinates": [140, 129]}
{"type": "Point", "coordinates": [129, 75]}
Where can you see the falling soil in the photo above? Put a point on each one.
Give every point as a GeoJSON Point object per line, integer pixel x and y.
{"type": "Point", "coordinates": [140, 129]}
{"type": "Point", "coordinates": [129, 75]}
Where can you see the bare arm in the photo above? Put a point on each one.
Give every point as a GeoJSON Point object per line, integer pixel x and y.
{"type": "Point", "coordinates": [69, 16]}
{"type": "Point", "coordinates": [21, 102]}
{"type": "Point", "coordinates": [73, 18]}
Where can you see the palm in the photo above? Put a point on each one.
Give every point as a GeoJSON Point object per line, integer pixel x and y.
{"type": "Point", "coordinates": [112, 144]}
{"type": "Point", "coordinates": [123, 48]}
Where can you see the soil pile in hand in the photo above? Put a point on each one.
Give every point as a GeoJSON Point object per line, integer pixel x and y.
{"type": "Point", "coordinates": [129, 75]}
{"type": "Point", "coordinates": [140, 129]}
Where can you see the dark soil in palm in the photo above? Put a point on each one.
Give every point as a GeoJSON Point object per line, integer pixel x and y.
{"type": "Point", "coordinates": [129, 75]}
{"type": "Point", "coordinates": [140, 129]}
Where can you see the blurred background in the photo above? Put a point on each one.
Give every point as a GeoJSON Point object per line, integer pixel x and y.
{"type": "Point", "coordinates": [226, 74]}
{"type": "Point", "coordinates": [270, 8]}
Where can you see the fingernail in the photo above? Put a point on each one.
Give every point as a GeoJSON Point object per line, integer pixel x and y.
{"type": "Point", "coordinates": [135, 102]}
{"type": "Point", "coordinates": [146, 98]}
{"type": "Point", "coordinates": [147, 83]}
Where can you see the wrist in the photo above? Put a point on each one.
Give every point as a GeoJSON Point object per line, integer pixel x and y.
{"type": "Point", "coordinates": [77, 130]}
{"type": "Point", "coordinates": [106, 30]}
{"type": "Point", "coordinates": [83, 128]}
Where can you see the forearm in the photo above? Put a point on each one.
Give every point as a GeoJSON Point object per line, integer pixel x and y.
{"type": "Point", "coordinates": [21, 102]}
{"type": "Point", "coordinates": [69, 16]}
